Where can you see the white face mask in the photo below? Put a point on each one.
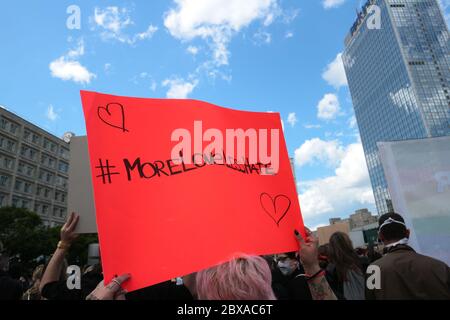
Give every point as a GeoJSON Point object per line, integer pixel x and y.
{"type": "Point", "coordinates": [286, 267]}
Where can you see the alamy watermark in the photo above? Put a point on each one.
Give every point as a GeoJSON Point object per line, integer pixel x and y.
{"type": "Point", "coordinates": [236, 142]}
{"type": "Point", "coordinates": [73, 22]}
{"type": "Point", "coordinates": [373, 17]}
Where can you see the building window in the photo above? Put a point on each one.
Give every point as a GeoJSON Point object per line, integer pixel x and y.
{"type": "Point", "coordinates": [3, 199]}
{"type": "Point", "coordinates": [61, 182]}
{"type": "Point", "coordinates": [7, 144]}
{"type": "Point", "coordinates": [49, 145]}
{"type": "Point", "coordinates": [27, 135]}
{"type": "Point", "coordinates": [4, 181]}
{"type": "Point", "coordinates": [48, 161]}
{"type": "Point", "coordinates": [59, 212]}
{"type": "Point", "coordinates": [18, 185]}
{"type": "Point", "coordinates": [28, 152]}
{"type": "Point", "coordinates": [6, 163]}
{"type": "Point", "coordinates": [20, 203]}
{"type": "Point", "coordinates": [60, 196]}
{"type": "Point", "coordinates": [13, 128]}
{"type": "Point", "coordinates": [10, 146]}
{"type": "Point", "coordinates": [28, 187]}
{"type": "Point", "coordinates": [36, 139]}
{"type": "Point", "coordinates": [64, 153]}
{"type": "Point", "coordinates": [3, 123]}
{"type": "Point", "coordinates": [63, 167]}
{"type": "Point", "coordinates": [46, 176]}
{"type": "Point", "coordinates": [30, 171]}
{"type": "Point", "coordinates": [37, 208]}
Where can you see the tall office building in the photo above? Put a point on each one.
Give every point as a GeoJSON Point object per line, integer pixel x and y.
{"type": "Point", "coordinates": [34, 168]}
{"type": "Point", "coordinates": [398, 72]}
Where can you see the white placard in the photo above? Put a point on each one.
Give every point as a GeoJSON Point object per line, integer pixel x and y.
{"type": "Point", "coordinates": [418, 177]}
{"type": "Point", "coordinates": [81, 196]}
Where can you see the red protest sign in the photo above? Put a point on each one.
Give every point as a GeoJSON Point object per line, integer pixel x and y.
{"type": "Point", "coordinates": [176, 192]}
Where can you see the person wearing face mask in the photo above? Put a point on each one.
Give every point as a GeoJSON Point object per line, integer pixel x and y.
{"type": "Point", "coordinates": [289, 282]}
{"type": "Point", "coordinates": [287, 264]}
{"type": "Point", "coordinates": [405, 274]}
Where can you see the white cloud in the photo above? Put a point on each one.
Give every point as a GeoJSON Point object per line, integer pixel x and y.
{"type": "Point", "coordinates": [144, 35]}
{"type": "Point", "coordinates": [114, 20]}
{"type": "Point", "coordinates": [318, 151]}
{"type": "Point", "coordinates": [337, 194]}
{"type": "Point", "coordinates": [192, 50]}
{"type": "Point", "coordinates": [51, 113]}
{"type": "Point", "coordinates": [329, 107]}
{"type": "Point", "coordinates": [292, 119]}
{"type": "Point", "coordinates": [68, 68]}
{"type": "Point", "coordinates": [328, 4]}
{"type": "Point", "coordinates": [334, 73]}
{"type": "Point", "coordinates": [262, 37]}
{"type": "Point", "coordinates": [289, 34]}
{"type": "Point", "coordinates": [179, 88]}
{"type": "Point", "coordinates": [352, 122]}
{"type": "Point", "coordinates": [312, 126]}
{"type": "Point", "coordinates": [216, 21]}
{"type": "Point", "coordinates": [288, 16]}
{"type": "Point", "coordinates": [153, 86]}
{"type": "Point", "coordinates": [76, 52]}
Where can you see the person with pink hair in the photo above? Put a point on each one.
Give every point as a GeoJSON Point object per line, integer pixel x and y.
{"type": "Point", "coordinates": [246, 277]}
{"type": "Point", "coordinates": [243, 278]}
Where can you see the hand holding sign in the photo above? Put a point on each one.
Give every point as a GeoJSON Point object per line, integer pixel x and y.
{"type": "Point", "coordinates": [214, 200]}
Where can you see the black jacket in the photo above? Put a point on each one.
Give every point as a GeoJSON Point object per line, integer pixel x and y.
{"type": "Point", "coordinates": [10, 289]}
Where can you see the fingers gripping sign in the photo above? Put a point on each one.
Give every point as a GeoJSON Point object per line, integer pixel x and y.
{"type": "Point", "coordinates": [112, 291]}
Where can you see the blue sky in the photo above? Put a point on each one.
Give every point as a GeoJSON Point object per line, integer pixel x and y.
{"type": "Point", "coordinates": [261, 55]}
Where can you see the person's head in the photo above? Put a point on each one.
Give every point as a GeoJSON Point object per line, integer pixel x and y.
{"type": "Point", "coordinates": [287, 263]}
{"type": "Point", "coordinates": [271, 261]}
{"type": "Point", "coordinates": [243, 278]}
{"type": "Point", "coordinates": [392, 228]}
{"type": "Point", "coordinates": [38, 273]}
{"type": "Point", "coordinates": [342, 254]}
{"type": "Point", "coordinates": [360, 251]}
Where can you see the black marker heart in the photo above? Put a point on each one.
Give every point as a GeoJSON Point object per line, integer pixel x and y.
{"type": "Point", "coordinates": [113, 115]}
{"type": "Point", "coordinates": [277, 207]}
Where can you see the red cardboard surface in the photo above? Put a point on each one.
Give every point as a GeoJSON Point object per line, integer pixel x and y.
{"type": "Point", "coordinates": [158, 220]}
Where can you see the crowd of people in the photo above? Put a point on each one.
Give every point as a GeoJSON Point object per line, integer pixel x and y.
{"type": "Point", "coordinates": [335, 271]}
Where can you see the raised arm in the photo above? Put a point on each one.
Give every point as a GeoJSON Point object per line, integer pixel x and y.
{"type": "Point", "coordinates": [309, 256]}
{"type": "Point", "coordinates": [53, 270]}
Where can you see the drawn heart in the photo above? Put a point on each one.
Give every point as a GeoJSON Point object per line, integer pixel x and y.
{"type": "Point", "coordinates": [277, 207]}
{"type": "Point", "coordinates": [113, 115]}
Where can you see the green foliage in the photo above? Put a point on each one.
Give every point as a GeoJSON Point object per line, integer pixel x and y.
{"type": "Point", "coordinates": [24, 238]}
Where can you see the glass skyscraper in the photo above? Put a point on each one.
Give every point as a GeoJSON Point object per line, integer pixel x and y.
{"type": "Point", "coordinates": [398, 73]}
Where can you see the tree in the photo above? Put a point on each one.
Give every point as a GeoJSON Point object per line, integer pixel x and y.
{"type": "Point", "coordinates": [25, 238]}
